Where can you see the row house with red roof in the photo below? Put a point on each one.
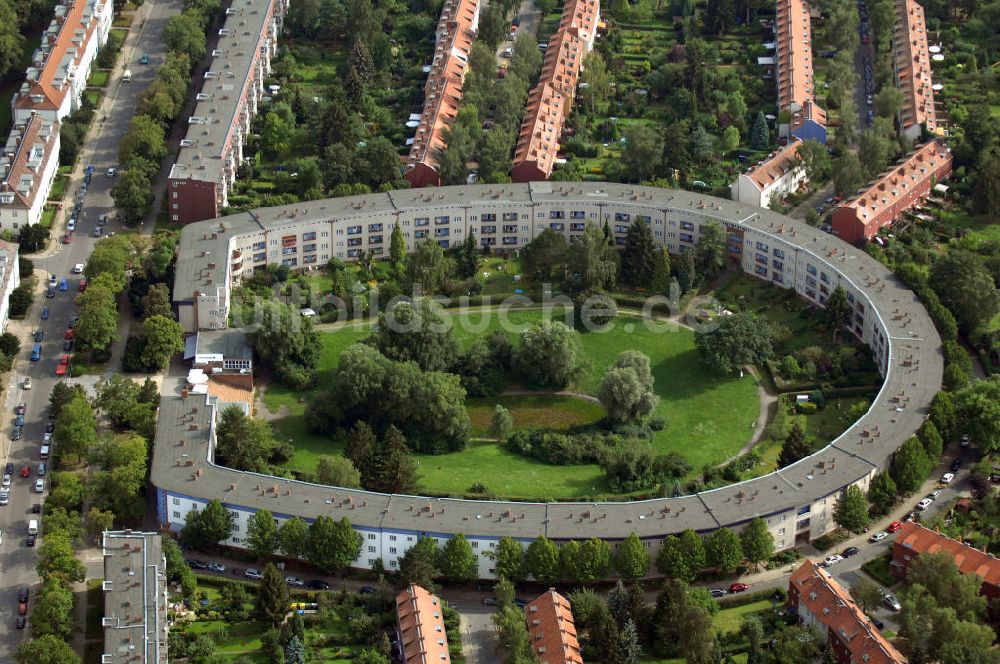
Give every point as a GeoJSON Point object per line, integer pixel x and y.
{"type": "Point", "coordinates": [779, 175]}
{"type": "Point", "coordinates": [57, 76]}
{"type": "Point", "coordinates": [914, 540]}
{"type": "Point", "coordinates": [822, 603]}
{"type": "Point", "coordinates": [212, 149]}
{"type": "Point", "coordinates": [551, 100]}
{"type": "Point", "coordinates": [801, 117]}
{"type": "Point", "coordinates": [443, 91]}
{"type": "Point", "coordinates": [905, 185]}
{"type": "Point", "coordinates": [551, 630]}
{"type": "Point", "coordinates": [28, 166]}
{"type": "Point", "coordinates": [912, 65]}
{"type": "Point", "coordinates": [420, 631]}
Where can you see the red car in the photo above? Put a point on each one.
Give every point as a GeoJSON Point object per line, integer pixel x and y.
{"type": "Point", "coordinates": [25, 471]}
{"type": "Point", "coordinates": [738, 587]}
{"type": "Point", "coordinates": [63, 365]}
{"type": "Point", "coordinates": [894, 526]}
{"type": "Point", "coordinates": [67, 239]}
{"type": "Point", "coordinates": [70, 334]}
{"type": "Point", "coordinates": [22, 608]}
{"type": "Point", "coordinates": [82, 286]}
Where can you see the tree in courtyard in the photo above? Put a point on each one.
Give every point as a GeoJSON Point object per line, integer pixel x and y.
{"type": "Point", "coordinates": [397, 249]}
{"type": "Point", "coordinates": [395, 470]}
{"type": "Point", "coordinates": [710, 250]}
{"type": "Point", "coordinates": [262, 533]}
{"type": "Point", "coordinates": [638, 255]}
{"type": "Point", "coordinates": [626, 390]}
{"type": "Point", "coordinates": [931, 440]}
{"type": "Point", "coordinates": [978, 408]}
{"type": "Point", "coordinates": [501, 424]}
{"type": "Point", "coordinates": [910, 466]}
{"type": "Point", "coordinates": [46, 650]}
{"type": "Point", "coordinates": [549, 355]}
{"type": "Point", "coordinates": [738, 340]}
{"type": "Point", "coordinates": [944, 414]}
{"type": "Point", "coordinates": [415, 331]}
{"type": "Point", "coordinates": [937, 573]}
{"type": "Point", "coordinates": [295, 652]}
{"type": "Point", "coordinates": [986, 191]}
{"type": "Point", "coordinates": [271, 606]}
{"type": "Point", "coordinates": [848, 174]}
{"type": "Point", "coordinates": [456, 559]}
{"type": "Point", "coordinates": [815, 160]}
{"type": "Point", "coordinates": [234, 597]}
{"type": "Point", "coordinates": [164, 339]}
{"type": "Point", "coordinates": [730, 139]}
{"type": "Point", "coordinates": [287, 342]}
{"type": "Point", "coordinates": [362, 449]}
{"type": "Point", "coordinates": [838, 311]}
{"type": "Point", "coordinates": [722, 550]}
{"type": "Point", "coordinates": [467, 263]}
{"type": "Point", "coordinates": [966, 287]}
{"type": "Point", "coordinates": [186, 33]}
{"type": "Point", "coordinates": [419, 563]}
{"type": "Point", "coordinates": [52, 613]}
{"type": "Point", "coordinates": [593, 263]}
{"type": "Point", "coordinates": [215, 523]}
{"type": "Point", "coordinates": [867, 595]}
{"type": "Point", "coordinates": [542, 560]}
{"type": "Point", "coordinates": [882, 492]}
{"type": "Point", "coordinates": [631, 560]}
{"type": "Point", "coordinates": [57, 559]}
{"type": "Point", "coordinates": [851, 511]}
{"type": "Point", "coordinates": [293, 536]}
{"type": "Point", "coordinates": [242, 442]}
{"type": "Point", "coordinates": [544, 259]}
{"type": "Point", "coordinates": [642, 153]}
{"type": "Point", "coordinates": [759, 134]}
{"type": "Point", "coordinates": [757, 542]}
{"type": "Point", "coordinates": [337, 470]}
{"type": "Point", "coordinates": [156, 302]}
{"type": "Point", "coordinates": [427, 268]}
{"type": "Point", "coordinates": [509, 560]}
{"type": "Point", "coordinates": [795, 446]}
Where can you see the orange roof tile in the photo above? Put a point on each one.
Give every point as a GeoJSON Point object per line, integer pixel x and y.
{"type": "Point", "coordinates": [443, 90]}
{"type": "Point", "coordinates": [775, 166]}
{"type": "Point", "coordinates": [833, 606]}
{"type": "Point", "coordinates": [552, 631]}
{"type": "Point", "coordinates": [421, 627]}
{"type": "Point", "coordinates": [580, 18]}
{"type": "Point", "coordinates": [913, 65]}
{"type": "Point", "coordinates": [895, 183]}
{"type": "Point", "coordinates": [22, 163]}
{"type": "Point", "coordinates": [968, 559]}
{"type": "Point", "coordinates": [793, 51]}
{"type": "Point", "coordinates": [61, 51]}
{"type": "Point", "coordinates": [541, 128]}
{"type": "Point", "coordinates": [231, 393]}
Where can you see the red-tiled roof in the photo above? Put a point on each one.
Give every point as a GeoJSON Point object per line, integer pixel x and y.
{"type": "Point", "coordinates": [421, 627]}
{"type": "Point", "coordinates": [793, 50]}
{"type": "Point", "coordinates": [552, 631]}
{"type": "Point", "coordinates": [968, 559]}
{"type": "Point", "coordinates": [832, 605]}
{"type": "Point", "coordinates": [63, 46]}
{"type": "Point", "coordinates": [542, 126]}
{"type": "Point", "coordinates": [443, 90]}
{"type": "Point", "coordinates": [913, 65]}
{"type": "Point", "coordinates": [580, 18]}
{"type": "Point", "coordinates": [775, 166]}
{"type": "Point", "coordinates": [896, 182]}
{"type": "Point", "coordinates": [29, 147]}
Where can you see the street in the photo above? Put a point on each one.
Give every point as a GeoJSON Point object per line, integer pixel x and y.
{"type": "Point", "coordinates": [17, 561]}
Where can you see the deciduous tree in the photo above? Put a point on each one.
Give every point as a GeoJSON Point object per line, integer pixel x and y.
{"type": "Point", "coordinates": [415, 331]}
{"type": "Point", "coordinates": [631, 560]}
{"type": "Point", "coordinates": [46, 650]}
{"type": "Point", "coordinates": [542, 560]}
{"type": "Point", "coordinates": [722, 550]}
{"type": "Point", "coordinates": [643, 152]}
{"type": "Point", "coordinates": [626, 390]}
{"type": "Point", "coordinates": [851, 511]}
{"type": "Point", "coordinates": [164, 339]}
{"type": "Point", "coordinates": [510, 560]}
{"type": "Point", "coordinates": [271, 606]}
{"type": "Point", "coordinates": [549, 355]}
{"type": "Point", "coordinates": [882, 492]}
{"type": "Point", "coordinates": [262, 533]}
{"type": "Point", "coordinates": [966, 287]}
{"type": "Point", "coordinates": [738, 340]}
{"type": "Point", "coordinates": [757, 542]}
{"type": "Point", "coordinates": [456, 559]}
{"type": "Point", "coordinates": [337, 470]}
{"type": "Point", "coordinates": [419, 563]}
{"type": "Point", "coordinates": [293, 535]}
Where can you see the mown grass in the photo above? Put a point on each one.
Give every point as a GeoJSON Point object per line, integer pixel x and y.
{"type": "Point", "coordinates": [707, 417]}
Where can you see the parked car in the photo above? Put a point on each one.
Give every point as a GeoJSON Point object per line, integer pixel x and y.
{"type": "Point", "coordinates": [41, 469]}
{"type": "Point", "coordinates": [39, 335]}
{"type": "Point", "coordinates": [894, 526]}
{"type": "Point", "coordinates": [955, 465]}
{"type": "Point", "coordinates": [318, 584]}
{"type": "Point", "coordinates": [39, 486]}
{"type": "Point", "coordinates": [22, 608]}
{"type": "Point", "coordinates": [45, 313]}
{"type": "Point", "coordinates": [965, 441]}
{"type": "Point", "coordinates": [738, 587]}
{"type": "Point", "coordinates": [15, 433]}
{"type": "Point", "coordinates": [36, 508]}
{"type": "Point", "coordinates": [253, 574]}
{"type": "Point", "coordinates": [947, 478]}
{"type": "Point", "coordinates": [21, 408]}
{"type": "Point", "coordinates": [68, 345]}
{"type": "Point", "coordinates": [144, 60]}
{"type": "Point", "coordinates": [27, 383]}
{"type": "Point", "coordinates": [890, 601]}
{"type": "Point", "coordinates": [50, 427]}
{"type": "Point", "coordinates": [67, 238]}
{"type": "Point", "coordinates": [30, 540]}
{"type": "Point", "coordinates": [70, 333]}
{"type": "Point", "coordinates": [194, 563]}
{"type": "Point", "coordinates": [217, 567]}
{"type": "Point", "coordinates": [830, 561]}
{"type": "Point", "coordinates": [111, 172]}
{"type": "Point", "coordinates": [25, 471]}
{"type": "Point", "coordinates": [63, 286]}
{"type": "Point", "coordinates": [925, 503]}
{"type": "Point", "coordinates": [489, 601]}
{"type": "Point", "coordinates": [717, 592]}
{"type": "Point", "coordinates": [879, 536]}
{"type": "Point", "coordinates": [294, 581]}
{"type": "Point", "coordinates": [850, 551]}
{"type": "Point", "coordinates": [366, 590]}
{"type": "Point", "coordinates": [22, 594]}
{"type": "Point", "coordinates": [4, 497]}
{"type": "Point", "coordinates": [6, 480]}
{"type": "Point", "coordinates": [78, 268]}
{"type": "Point", "coordinates": [878, 623]}
{"type": "Point", "coordinates": [19, 420]}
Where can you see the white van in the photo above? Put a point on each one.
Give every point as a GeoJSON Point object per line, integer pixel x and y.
{"type": "Point", "coordinates": [127, 76]}
{"type": "Point", "coordinates": [33, 527]}
{"type": "Point", "coordinates": [44, 453]}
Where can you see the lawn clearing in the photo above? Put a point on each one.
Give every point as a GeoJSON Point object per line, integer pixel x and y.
{"type": "Point", "coordinates": [728, 620]}
{"type": "Point", "coordinates": [534, 412]}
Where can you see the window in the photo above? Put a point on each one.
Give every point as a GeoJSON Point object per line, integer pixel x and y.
{"type": "Point", "coordinates": [353, 230]}
{"type": "Point", "coordinates": [489, 217]}
{"type": "Point", "coordinates": [686, 237]}
{"type": "Point", "coordinates": [177, 501]}
{"type": "Point", "coordinates": [441, 221]}
{"type": "Point", "coordinates": [577, 214]}
{"type": "Point", "coordinates": [824, 278]}
{"type": "Point", "coordinates": [259, 246]}
{"type": "Point", "coordinates": [510, 229]}
{"type": "Point", "coordinates": [371, 549]}
{"type": "Point", "coordinates": [557, 214]}
{"type": "Point", "coordinates": [177, 515]}
{"type": "Point", "coordinates": [286, 251]}
{"type": "Point", "coordinates": [308, 236]}
{"type": "Point", "coordinates": [811, 270]}
{"type": "Point", "coordinates": [777, 265]}
{"type": "Point", "coordinates": [557, 227]}
{"type": "Point", "coordinates": [761, 246]}
{"type": "Point", "coordinates": [687, 226]}
{"type": "Point", "coordinates": [422, 221]}
{"type": "Point", "coordinates": [761, 270]}
{"type": "Point", "coordinates": [578, 227]}
{"type": "Point", "coordinates": [371, 536]}
{"type": "Point", "coordinates": [644, 218]}
{"type": "Point", "coordinates": [622, 216]}
{"type": "Point", "coordinates": [354, 242]}
{"type": "Point", "coordinates": [777, 276]}
{"type": "Point", "coordinates": [488, 230]}
{"type": "Point", "coordinates": [510, 216]}
{"type": "Point", "coordinates": [762, 259]}
{"type": "Point", "coordinates": [309, 259]}
{"type": "Point", "coordinates": [375, 239]}
{"type": "Point", "coordinates": [392, 538]}
{"type": "Point", "coordinates": [374, 228]}
{"type": "Point", "coordinates": [778, 253]}
{"type": "Point", "coordinates": [420, 234]}
{"type": "Point", "coordinates": [487, 241]}
{"type": "Point", "coordinates": [441, 232]}
{"type": "Point", "coordinates": [621, 228]}
{"type": "Point", "coordinates": [308, 248]}
{"type": "Point", "coordinates": [810, 281]}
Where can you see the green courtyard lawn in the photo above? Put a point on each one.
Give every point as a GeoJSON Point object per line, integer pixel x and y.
{"type": "Point", "coordinates": [531, 411]}
{"type": "Point", "coordinates": [99, 77]}
{"type": "Point", "coordinates": [707, 417]}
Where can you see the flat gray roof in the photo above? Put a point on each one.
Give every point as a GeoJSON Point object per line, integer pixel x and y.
{"type": "Point", "coordinates": [912, 378]}
{"type": "Point", "coordinates": [135, 598]}
{"type": "Point", "coordinates": [229, 343]}
{"type": "Point", "coordinates": [215, 113]}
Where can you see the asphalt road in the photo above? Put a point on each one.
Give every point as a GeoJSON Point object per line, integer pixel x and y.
{"type": "Point", "coordinates": [17, 561]}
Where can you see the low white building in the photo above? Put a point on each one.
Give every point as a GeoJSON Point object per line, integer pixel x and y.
{"type": "Point", "coordinates": [28, 166]}
{"type": "Point", "coordinates": [57, 76]}
{"type": "Point", "coordinates": [780, 174]}
{"type": "Point", "coordinates": [10, 278]}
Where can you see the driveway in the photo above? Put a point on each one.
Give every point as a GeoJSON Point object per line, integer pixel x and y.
{"type": "Point", "coordinates": [478, 636]}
